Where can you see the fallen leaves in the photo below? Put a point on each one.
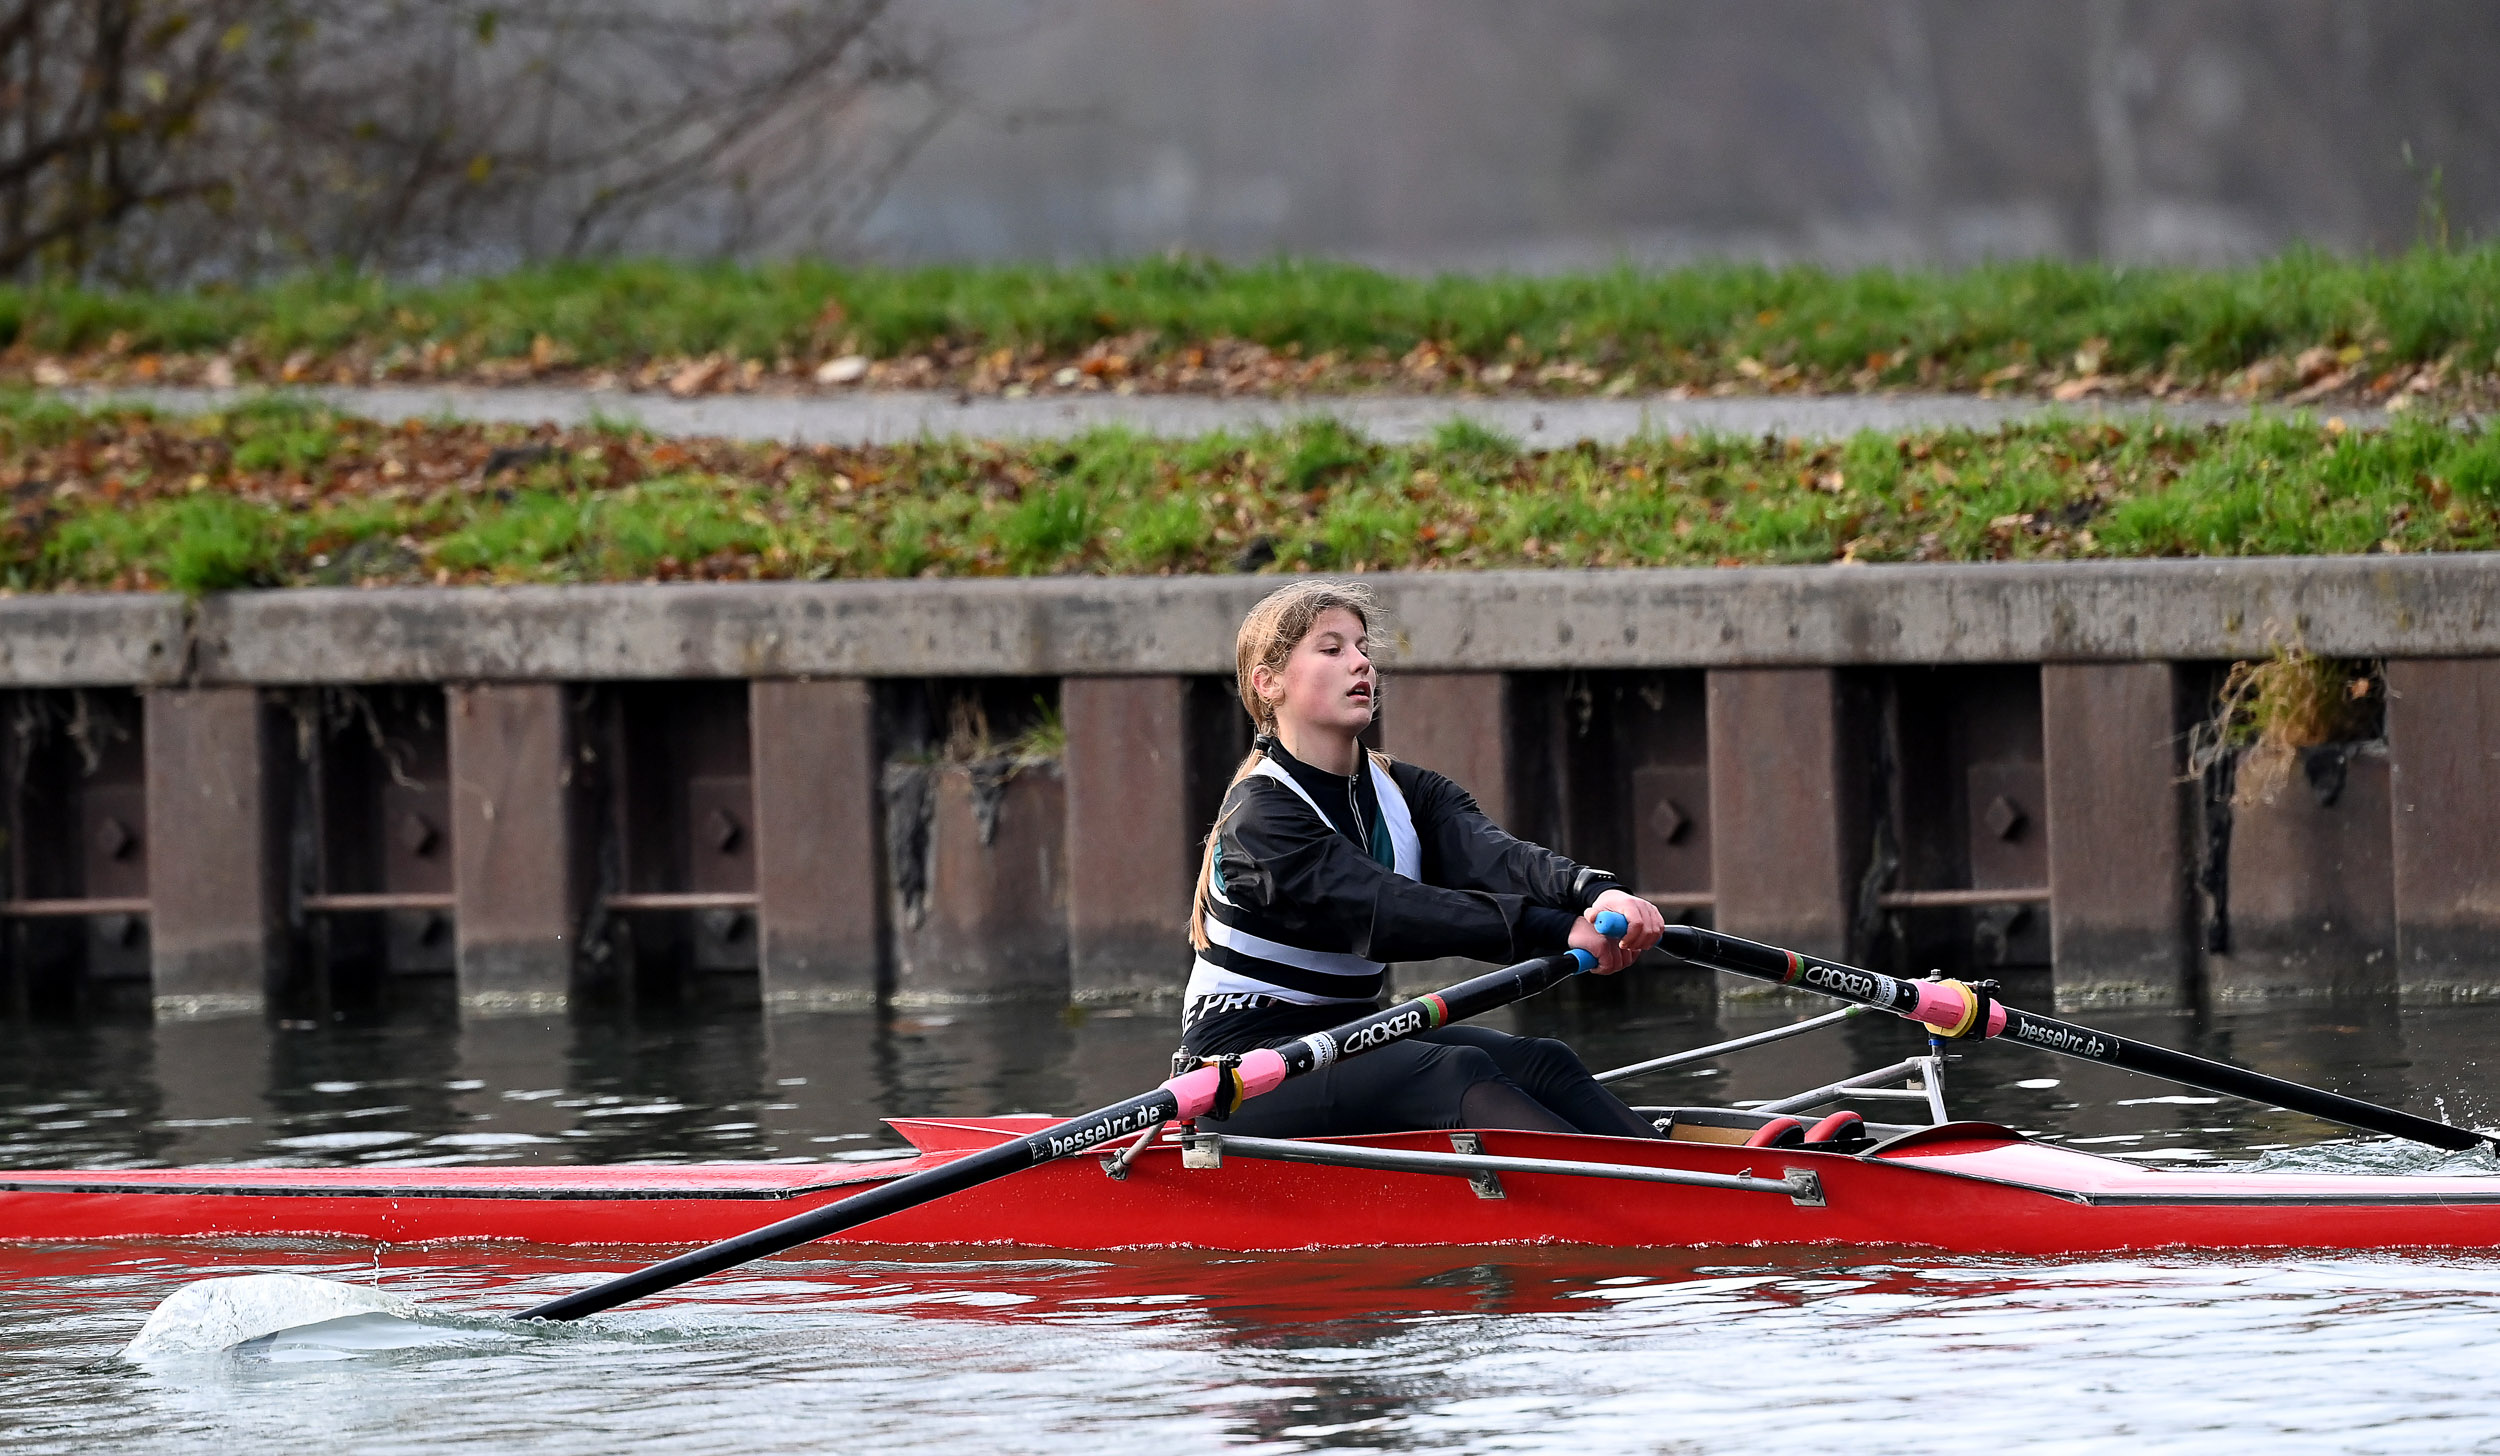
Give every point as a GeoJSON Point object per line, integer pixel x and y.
{"type": "Point", "coordinates": [1134, 364]}
{"type": "Point", "coordinates": [698, 376]}
{"type": "Point", "coordinates": [288, 494]}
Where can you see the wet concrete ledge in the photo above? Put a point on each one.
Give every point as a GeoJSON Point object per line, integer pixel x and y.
{"type": "Point", "coordinates": [1814, 616]}
{"type": "Point", "coordinates": [91, 640]}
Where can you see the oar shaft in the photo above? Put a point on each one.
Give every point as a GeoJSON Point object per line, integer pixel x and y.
{"type": "Point", "coordinates": [1935, 1004]}
{"type": "Point", "coordinates": [1186, 1096]}
{"type": "Point", "coordinates": [969, 1171]}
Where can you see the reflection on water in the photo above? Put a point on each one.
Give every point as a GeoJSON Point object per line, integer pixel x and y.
{"type": "Point", "coordinates": [1512, 1349]}
{"type": "Point", "coordinates": [714, 1085]}
{"type": "Point", "coordinates": [726, 1083]}
{"type": "Point", "coordinates": [1527, 1350]}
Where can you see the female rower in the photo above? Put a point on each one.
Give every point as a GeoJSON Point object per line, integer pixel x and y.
{"type": "Point", "coordinates": [1328, 860]}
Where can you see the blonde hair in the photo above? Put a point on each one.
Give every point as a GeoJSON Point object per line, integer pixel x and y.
{"type": "Point", "coordinates": [1268, 636]}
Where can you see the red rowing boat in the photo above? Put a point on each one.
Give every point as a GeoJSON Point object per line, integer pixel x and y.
{"type": "Point", "coordinates": [1964, 1186]}
{"type": "Point", "coordinates": [1720, 1176]}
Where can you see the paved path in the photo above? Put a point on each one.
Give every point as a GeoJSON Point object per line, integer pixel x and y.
{"type": "Point", "coordinates": [891, 416]}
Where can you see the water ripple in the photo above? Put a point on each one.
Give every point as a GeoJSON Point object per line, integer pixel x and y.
{"type": "Point", "coordinates": [1578, 1351]}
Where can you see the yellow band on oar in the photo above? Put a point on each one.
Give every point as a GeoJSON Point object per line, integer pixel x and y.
{"type": "Point", "coordinates": [1970, 1011]}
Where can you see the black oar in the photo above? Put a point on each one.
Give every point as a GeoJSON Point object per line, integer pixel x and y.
{"type": "Point", "coordinates": [1192, 1094]}
{"type": "Point", "coordinates": [1954, 1009]}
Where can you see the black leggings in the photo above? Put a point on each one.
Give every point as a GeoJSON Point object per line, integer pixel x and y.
{"type": "Point", "coordinates": [1458, 1076]}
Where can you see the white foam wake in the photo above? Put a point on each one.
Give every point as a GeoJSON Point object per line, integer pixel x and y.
{"type": "Point", "coordinates": [219, 1314]}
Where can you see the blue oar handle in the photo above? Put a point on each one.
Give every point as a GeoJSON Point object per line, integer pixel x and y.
{"type": "Point", "coordinates": [1610, 924]}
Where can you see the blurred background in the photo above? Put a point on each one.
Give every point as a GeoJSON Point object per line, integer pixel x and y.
{"type": "Point", "coordinates": [172, 141]}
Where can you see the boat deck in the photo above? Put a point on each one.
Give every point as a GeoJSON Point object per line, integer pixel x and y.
{"type": "Point", "coordinates": [1967, 1186]}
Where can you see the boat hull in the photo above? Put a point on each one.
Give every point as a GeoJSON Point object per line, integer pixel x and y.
{"type": "Point", "coordinates": [1964, 1187]}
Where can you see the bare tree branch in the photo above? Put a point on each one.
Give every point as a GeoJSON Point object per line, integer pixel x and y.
{"type": "Point", "coordinates": [231, 136]}
{"type": "Point", "coordinates": [100, 109]}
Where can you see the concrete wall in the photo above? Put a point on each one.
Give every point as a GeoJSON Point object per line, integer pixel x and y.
{"type": "Point", "coordinates": [1806, 616]}
{"type": "Point", "coordinates": [1910, 766]}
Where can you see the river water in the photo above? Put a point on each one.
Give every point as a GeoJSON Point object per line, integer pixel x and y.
{"type": "Point", "coordinates": [1507, 1349]}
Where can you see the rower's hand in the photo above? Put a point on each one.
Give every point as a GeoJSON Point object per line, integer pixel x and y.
{"type": "Point", "coordinates": [1610, 951]}
{"type": "Point", "coordinates": [1647, 923]}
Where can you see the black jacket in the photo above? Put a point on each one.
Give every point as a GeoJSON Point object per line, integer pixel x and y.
{"type": "Point", "coordinates": [1482, 894]}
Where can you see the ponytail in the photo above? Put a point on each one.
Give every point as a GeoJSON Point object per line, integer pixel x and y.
{"type": "Point", "coordinates": [1206, 856]}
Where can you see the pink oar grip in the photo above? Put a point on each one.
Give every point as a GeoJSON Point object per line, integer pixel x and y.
{"type": "Point", "coordinates": [1938, 1003]}
{"type": "Point", "coordinates": [1261, 1071]}
{"type": "Point", "coordinates": [1195, 1091]}
{"type": "Point", "coordinates": [1944, 1004]}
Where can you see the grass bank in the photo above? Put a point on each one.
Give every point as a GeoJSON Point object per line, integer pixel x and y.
{"type": "Point", "coordinates": [280, 493]}
{"type": "Point", "coordinates": [2303, 324]}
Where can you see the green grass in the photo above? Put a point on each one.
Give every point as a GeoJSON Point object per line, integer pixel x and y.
{"type": "Point", "coordinates": [1736, 323]}
{"type": "Point", "coordinates": [282, 493]}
